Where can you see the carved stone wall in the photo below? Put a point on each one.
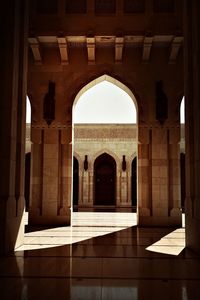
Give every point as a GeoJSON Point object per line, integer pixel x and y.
{"type": "Point", "coordinates": [117, 140]}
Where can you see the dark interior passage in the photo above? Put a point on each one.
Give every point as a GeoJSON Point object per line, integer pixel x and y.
{"type": "Point", "coordinates": [75, 182]}
{"type": "Point", "coordinates": [134, 182]}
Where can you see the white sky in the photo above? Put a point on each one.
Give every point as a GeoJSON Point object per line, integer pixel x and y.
{"type": "Point", "coordinates": [28, 111]}
{"type": "Point", "coordinates": [104, 103]}
{"type": "Point", "coordinates": [182, 111]}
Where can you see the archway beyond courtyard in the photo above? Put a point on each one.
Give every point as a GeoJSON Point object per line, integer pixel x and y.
{"type": "Point", "coordinates": [106, 111]}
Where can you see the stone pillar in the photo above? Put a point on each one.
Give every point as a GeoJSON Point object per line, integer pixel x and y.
{"type": "Point", "coordinates": [80, 191]}
{"type": "Point", "coordinates": [192, 121]}
{"type": "Point", "coordinates": [91, 187]}
{"type": "Point", "coordinates": [159, 177]}
{"type": "Point", "coordinates": [117, 188]}
{"type": "Point", "coordinates": [51, 176]}
{"type": "Point", "coordinates": [123, 188]}
{"type": "Point", "coordinates": [129, 182]}
{"type": "Point", "coordinates": [14, 28]}
{"type": "Point", "coordinates": [85, 188]}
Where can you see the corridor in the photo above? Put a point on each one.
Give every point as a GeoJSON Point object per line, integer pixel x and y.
{"type": "Point", "coordinates": [102, 256]}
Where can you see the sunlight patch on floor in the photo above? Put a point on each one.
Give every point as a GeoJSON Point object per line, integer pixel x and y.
{"type": "Point", "coordinates": [84, 226]}
{"type": "Point", "coordinates": [171, 244]}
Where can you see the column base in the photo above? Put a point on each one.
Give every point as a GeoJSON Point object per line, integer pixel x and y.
{"type": "Point", "coordinates": [160, 221]}
{"type": "Point", "coordinates": [104, 208]}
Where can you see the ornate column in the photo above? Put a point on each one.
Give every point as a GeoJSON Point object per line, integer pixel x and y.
{"type": "Point", "coordinates": [159, 176]}
{"type": "Point", "coordinates": [123, 188]}
{"type": "Point", "coordinates": [80, 194]}
{"type": "Point", "coordinates": [66, 200]}
{"type": "Point", "coordinates": [85, 187]}
{"type": "Point", "coordinates": [192, 121]}
{"type": "Point", "coordinates": [14, 26]}
{"type": "Point", "coordinates": [129, 187]}
{"type": "Point", "coordinates": [91, 187]}
{"type": "Point", "coordinates": [125, 184]}
{"type": "Point", "coordinates": [51, 176]}
{"type": "Point", "coordinates": [118, 187]}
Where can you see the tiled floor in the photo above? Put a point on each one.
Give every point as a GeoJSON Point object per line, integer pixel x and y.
{"type": "Point", "coordinates": [103, 256]}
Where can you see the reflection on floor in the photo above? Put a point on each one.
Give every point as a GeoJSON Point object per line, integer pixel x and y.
{"type": "Point", "coordinates": [103, 256]}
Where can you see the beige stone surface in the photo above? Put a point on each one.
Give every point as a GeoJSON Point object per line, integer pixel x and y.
{"type": "Point", "coordinates": [114, 139]}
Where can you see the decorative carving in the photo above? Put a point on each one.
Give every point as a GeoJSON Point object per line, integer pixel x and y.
{"type": "Point", "coordinates": [114, 132]}
{"type": "Point", "coordinates": [49, 104]}
{"type": "Point", "coordinates": [86, 163]}
{"type": "Point", "coordinates": [161, 103]}
{"type": "Point", "coordinates": [124, 163]}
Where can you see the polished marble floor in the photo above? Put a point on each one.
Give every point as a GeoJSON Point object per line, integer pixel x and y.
{"type": "Point", "coordinates": [102, 256]}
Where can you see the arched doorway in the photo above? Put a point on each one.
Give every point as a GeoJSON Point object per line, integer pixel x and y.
{"type": "Point", "coordinates": [134, 183]}
{"type": "Point", "coordinates": [98, 109]}
{"type": "Point", "coordinates": [105, 180]}
{"type": "Point", "coordinates": [75, 183]}
{"type": "Point", "coordinates": [105, 100]}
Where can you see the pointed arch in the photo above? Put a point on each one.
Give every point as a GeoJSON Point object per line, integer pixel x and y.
{"type": "Point", "coordinates": [109, 79]}
{"type": "Point", "coordinates": [106, 151]}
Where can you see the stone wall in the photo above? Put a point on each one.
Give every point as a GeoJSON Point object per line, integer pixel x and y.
{"type": "Point", "coordinates": [116, 140]}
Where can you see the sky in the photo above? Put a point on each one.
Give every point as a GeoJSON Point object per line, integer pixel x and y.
{"type": "Point", "coordinates": [104, 103]}
{"type": "Point", "coordinates": [182, 111]}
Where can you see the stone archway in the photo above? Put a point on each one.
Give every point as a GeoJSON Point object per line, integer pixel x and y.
{"type": "Point", "coordinates": [105, 180]}
{"type": "Point", "coordinates": [108, 78]}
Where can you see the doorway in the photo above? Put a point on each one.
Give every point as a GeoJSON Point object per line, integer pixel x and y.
{"type": "Point", "coordinates": [105, 180]}
{"type": "Point", "coordinates": [134, 183]}
{"type": "Point", "coordinates": [104, 113]}
{"type": "Point", "coordinates": [75, 183]}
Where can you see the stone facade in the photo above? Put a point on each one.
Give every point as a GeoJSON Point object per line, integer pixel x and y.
{"type": "Point", "coordinates": [93, 140]}
{"type": "Point", "coordinates": [72, 51]}
{"type": "Point", "coordinates": [118, 141]}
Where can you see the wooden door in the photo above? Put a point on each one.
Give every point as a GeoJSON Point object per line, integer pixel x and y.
{"type": "Point", "coordinates": [105, 180]}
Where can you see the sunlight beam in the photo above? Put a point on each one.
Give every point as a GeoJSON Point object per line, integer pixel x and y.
{"type": "Point", "coordinates": [171, 244]}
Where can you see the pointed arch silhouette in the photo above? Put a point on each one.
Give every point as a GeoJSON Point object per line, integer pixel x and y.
{"type": "Point", "coordinates": [127, 96]}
